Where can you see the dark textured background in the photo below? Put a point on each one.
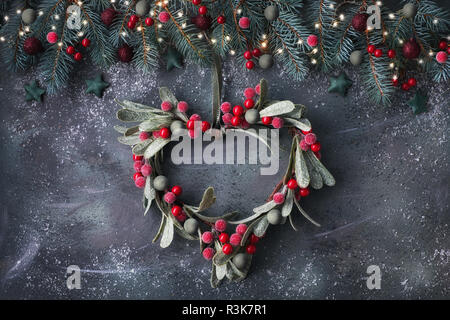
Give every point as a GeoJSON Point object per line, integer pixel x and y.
{"type": "Point", "coordinates": [67, 196]}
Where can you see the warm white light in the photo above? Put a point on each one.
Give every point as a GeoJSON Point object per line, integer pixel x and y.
{"type": "Point", "coordinates": [2, 39]}
{"type": "Point", "coordinates": [379, 3]}
{"type": "Point", "coordinates": [300, 41]}
{"type": "Point", "coordinates": [400, 41]}
{"type": "Point", "coordinates": [280, 51]}
{"type": "Point", "coordinates": [159, 25]}
{"type": "Point", "coordinates": [395, 77]}
{"type": "Point", "coordinates": [160, 39]}
{"type": "Point", "coordinates": [331, 6]}
{"type": "Point", "coordinates": [239, 11]}
{"type": "Point", "coordinates": [27, 29]}
{"type": "Point", "coordinates": [19, 11]}
{"type": "Point", "coordinates": [6, 18]}
{"type": "Point", "coordinates": [21, 33]}
{"type": "Point", "coordinates": [420, 61]}
{"type": "Point", "coordinates": [391, 16]}
{"type": "Point", "coordinates": [60, 44]}
{"type": "Point", "coordinates": [232, 52]}
{"type": "Point", "coordinates": [41, 13]}
{"type": "Point", "coordinates": [80, 3]}
{"type": "Point", "coordinates": [317, 26]}
{"type": "Point", "coordinates": [369, 28]}
{"type": "Point", "coordinates": [127, 3]}
{"type": "Point", "coordinates": [113, 1]}
{"type": "Point", "coordinates": [124, 33]}
{"type": "Point", "coordinates": [227, 38]}
{"type": "Point", "coordinates": [213, 40]}
{"type": "Point", "coordinates": [264, 44]}
{"type": "Point", "coordinates": [80, 34]}
{"type": "Point", "coordinates": [335, 24]}
{"type": "Point", "coordinates": [200, 36]}
{"type": "Point", "coordinates": [435, 21]}
{"type": "Point", "coordinates": [180, 14]}
{"type": "Point", "coordinates": [85, 22]}
{"type": "Point", "coordinates": [341, 17]}
{"type": "Point", "coordinates": [385, 33]}
{"type": "Point", "coordinates": [314, 51]}
{"type": "Point", "coordinates": [139, 28]}
{"type": "Point", "coordinates": [56, 16]}
{"type": "Point", "coordinates": [264, 36]}
{"type": "Point", "coordinates": [391, 65]}
{"type": "Point", "coordinates": [184, 25]}
{"type": "Point", "coordinates": [313, 61]}
{"type": "Point", "coordinates": [53, 27]}
{"type": "Point", "coordinates": [430, 53]}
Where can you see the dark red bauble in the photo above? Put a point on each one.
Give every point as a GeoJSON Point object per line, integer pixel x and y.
{"type": "Point", "coordinates": [370, 48]}
{"type": "Point", "coordinates": [221, 19]}
{"type": "Point", "coordinates": [164, 133]}
{"type": "Point", "coordinates": [70, 50]}
{"type": "Point", "coordinates": [251, 249]}
{"type": "Point", "coordinates": [392, 54]}
{"type": "Point", "coordinates": [238, 110]}
{"type": "Point", "coordinates": [405, 86]}
{"type": "Point", "coordinates": [125, 53]}
{"type": "Point", "coordinates": [249, 64]}
{"type": "Point", "coordinates": [292, 184]}
{"type": "Point", "coordinates": [266, 120]}
{"type": "Point", "coordinates": [32, 46]}
{"type": "Point", "coordinates": [412, 82]}
{"type": "Point", "coordinates": [227, 249]}
{"type": "Point", "coordinates": [235, 121]}
{"type": "Point", "coordinates": [304, 192]}
{"type": "Point", "coordinates": [224, 237]}
{"type": "Point", "coordinates": [78, 56]}
{"type": "Point", "coordinates": [137, 175]}
{"type": "Point", "coordinates": [411, 49]}
{"type": "Point", "coordinates": [315, 147]}
{"type": "Point", "coordinates": [248, 55]}
{"type": "Point", "coordinates": [205, 126]}
{"type": "Point", "coordinates": [86, 42]}
{"type": "Point", "coordinates": [442, 44]}
{"type": "Point", "coordinates": [202, 22]}
{"type": "Point", "coordinates": [108, 16]}
{"type": "Point", "coordinates": [149, 21]}
{"type": "Point", "coordinates": [254, 239]}
{"type": "Point", "coordinates": [256, 52]}
{"type": "Point", "coordinates": [137, 158]}
{"type": "Point", "coordinates": [202, 10]}
{"type": "Point", "coordinates": [177, 190]}
{"type": "Point", "coordinates": [196, 2]}
{"type": "Point", "coordinates": [378, 53]}
{"type": "Point", "coordinates": [359, 22]}
{"type": "Point", "coordinates": [176, 210]}
{"type": "Point", "coordinates": [249, 103]}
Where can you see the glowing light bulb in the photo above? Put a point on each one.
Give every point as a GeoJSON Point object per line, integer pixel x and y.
{"type": "Point", "coordinates": [21, 33]}
{"type": "Point", "coordinates": [53, 27]}
{"type": "Point", "coordinates": [80, 34]}
{"type": "Point", "coordinates": [400, 41]}
{"type": "Point", "coordinates": [435, 21]}
{"type": "Point", "coordinates": [341, 17]}
{"type": "Point", "coordinates": [391, 65]}
{"type": "Point", "coordinates": [160, 39]}
{"type": "Point", "coordinates": [280, 51]}
{"type": "Point", "coordinates": [227, 38]}
{"type": "Point", "coordinates": [239, 11]}
{"type": "Point", "coordinates": [139, 28]}
{"type": "Point", "coordinates": [200, 36]}
{"type": "Point", "coordinates": [6, 18]}
{"type": "Point", "coordinates": [379, 3]}
{"type": "Point", "coordinates": [19, 11]}
{"type": "Point", "coordinates": [317, 26]}
{"type": "Point", "coordinates": [420, 61]}
{"type": "Point", "coordinates": [232, 52]}
{"type": "Point", "coordinates": [335, 24]}
{"type": "Point", "coordinates": [213, 40]}
{"type": "Point", "coordinates": [391, 16]}
{"type": "Point", "coordinates": [314, 51]}
{"type": "Point", "coordinates": [300, 41]}
{"type": "Point", "coordinates": [183, 25]}
{"type": "Point", "coordinates": [60, 44]}
{"type": "Point", "coordinates": [56, 16]}
{"type": "Point", "coordinates": [2, 39]}
{"type": "Point", "coordinates": [180, 14]}
{"type": "Point", "coordinates": [313, 61]}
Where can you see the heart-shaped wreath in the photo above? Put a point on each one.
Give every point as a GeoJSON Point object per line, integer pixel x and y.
{"type": "Point", "coordinates": [230, 255]}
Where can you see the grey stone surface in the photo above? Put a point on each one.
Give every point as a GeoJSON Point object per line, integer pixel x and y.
{"type": "Point", "coordinates": [67, 197]}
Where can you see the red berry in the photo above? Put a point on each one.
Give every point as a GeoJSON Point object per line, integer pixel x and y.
{"type": "Point", "coordinates": [266, 120]}
{"type": "Point", "coordinates": [256, 52]}
{"type": "Point", "coordinates": [251, 249]}
{"type": "Point", "coordinates": [202, 10]}
{"type": "Point", "coordinates": [224, 237]}
{"type": "Point", "coordinates": [164, 133]}
{"type": "Point", "coordinates": [249, 103]}
{"type": "Point", "coordinates": [443, 45]}
{"type": "Point", "coordinates": [306, 132]}
{"type": "Point", "coordinates": [227, 249]}
{"type": "Point", "coordinates": [205, 126]}
{"type": "Point", "coordinates": [238, 110]}
{"type": "Point", "coordinates": [235, 121]}
{"type": "Point", "coordinates": [77, 56]}
{"type": "Point", "coordinates": [176, 210]}
{"type": "Point", "coordinates": [254, 239]}
{"type": "Point", "coordinates": [220, 19]}
{"type": "Point", "coordinates": [315, 147]}
{"type": "Point", "coordinates": [177, 190]}
{"type": "Point", "coordinates": [370, 48]}
{"type": "Point", "coordinates": [190, 124]}
{"type": "Point", "coordinates": [292, 184]}
{"type": "Point", "coordinates": [149, 21]}
{"type": "Point", "coordinates": [70, 50]}
{"type": "Point", "coordinates": [131, 25]}
{"type": "Point", "coordinates": [137, 175]}
{"type": "Point", "coordinates": [86, 42]}
{"type": "Point", "coordinates": [378, 53]}
{"type": "Point", "coordinates": [137, 158]}
{"type": "Point", "coordinates": [304, 192]}
{"type": "Point", "coordinates": [391, 54]}
{"type": "Point", "coordinates": [448, 50]}
{"type": "Point", "coordinates": [250, 64]}
{"type": "Point", "coordinates": [196, 2]}
{"type": "Point", "coordinates": [405, 86]}
{"type": "Point", "coordinates": [134, 18]}
{"type": "Point", "coordinates": [412, 82]}
{"type": "Point", "coordinates": [395, 82]}
{"type": "Point", "coordinates": [247, 55]}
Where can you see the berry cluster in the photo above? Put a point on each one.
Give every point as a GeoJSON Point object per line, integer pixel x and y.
{"type": "Point", "coordinates": [229, 243]}
{"type": "Point", "coordinates": [142, 170]}
{"type": "Point", "coordinates": [442, 55]}
{"type": "Point", "coordinates": [194, 124]}
{"type": "Point", "coordinates": [249, 55]}
{"type": "Point", "coordinates": [70, 50]}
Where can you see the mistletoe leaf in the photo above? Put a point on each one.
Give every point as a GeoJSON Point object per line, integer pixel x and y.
{"type": "Point", "coordinates": [139, 149]}
{"type": "Point", "coordinates": [120, 129]}
{"type": "Point", "coordinates": [266, 207]}
{"type": "Point", "coordinates": [327, 177]}
{"type": "Point", "coordinates": [288, 203]}
{"type": "Point", "coordinates": [204, 218]}
{"type": "Point", "coordinates": [264, 88]}
{"type": "Point", "coordinates": [217, 91]}
{"type": "Point", "coordinates": [127, 115]}
{"type": "Point", "coordinates": [130, 140]}
{"type": "Point", "coordinates": [155, 146]}
{"type": "Point", "coordinates": [301, 171]}
{"type": "Point", "coordinates": [221, 258]}
{"type": "Point", "coordinates": [297, 113]}
{"type": "Point", "coordinates": [214, 281]}
{"type": "Point", "coordinates": [277, 108]}
{"type": "Point", "coordinates": [260, 228]}
{"type": "Point", "coordinates": [208, 199]}
{"type": "Point", "coordinates": [185, 235]}
{"type": "Point", "coordinates": [303, 212]}
{"type": "Point", "coordinates": [149, 191]}
{"type": "Point", "coordinates": [288, 173]}
{"type": "Point", "coordinates": [302, 124]}
{"type": "Point", "coordinates": [249, 231]}
{"type": "Point", "coordinates": [155, 123]}
{"type": "Point", "coordinates": [167, 236]}
{"type": "Point", "coordinates": [138, 107]}
{"type": "Point", "coordinates": [161, 228]}
{"type": "Point", "coordinates": [248, 219]}
{"type": "Point", "coordinates": [131, 131]}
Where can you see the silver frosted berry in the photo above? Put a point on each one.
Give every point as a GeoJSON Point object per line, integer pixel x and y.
{"type": "Point", "coordinates": [356, 57]}
{"type": "Point", "coordinates": [142, 8]}
{"type": "Point", "coordinates": [161, 183]}
{"type": "Point", "coordinates": [409, 10]}
{"type": "Point", "coordinates": [274, 216]}
{"type": "Point", "coordinates": [266, 61]}
{"type": "Point", "coordinates": [271, 13]}
{"type": "Point", "coordinates": [28, 16]}
{"type": "Point", "coordinates": [240, 260]}
{"type": "Point", "coordinates": [252, 116]}
{"type": "Point", "coordinates": [191, 226]}
{"type": "Point", "coordinates": [176, 125]}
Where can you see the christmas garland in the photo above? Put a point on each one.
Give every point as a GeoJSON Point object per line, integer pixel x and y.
{"type": "Point", "coordinates": [231, 255]}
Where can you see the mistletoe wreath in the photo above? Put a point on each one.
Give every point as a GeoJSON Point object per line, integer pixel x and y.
{"type": "Point", "coordinates": [231, 255]}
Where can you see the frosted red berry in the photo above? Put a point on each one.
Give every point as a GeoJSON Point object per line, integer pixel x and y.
{"type": "Point", "coordinates": [225, 107]}
{"type": "Point", "coordinates": [223, 237]}
{"type": "Point", "coordinates": [292, 184]}
{"type": "Point", "coordinates": [140, 182]}
{"type": "Point", "coordinates": [166, 106]}
{"type": "Point", "coordinates": [315, 147]}
{"type": "Point", "coordinates": [170, 197]}
{"type": "Point", "coordinates": [195, 117]}
{"type": "Point", "coordinates": [241, 228]}
{"type": "Point", "coordinates": [146, 170]}
{"type": "Point", "coordinates": [164, 133]}
{"type": "Point", "coordinates": [176, 210]}
{"type": "Point", "coordinates": [137, 166]}
{"type": "Point", "coordinates": [205, 126]}
{"type": "Point", "coordinates": [248, 55]}
{"type": "Point", "coordinates": [144, 135]}
{"type": "Point", "coordinates": [266, 120]}
{"type": "Point", "coordinates": [249, 103]}
{"type": "Point", "coordinates": [177, 190]}
{"type": "Point", "coordinates": [304, 192]}
{"type": "Point", "coordinates": [182, 106]}
{"type": "Point", "coordinates": [227, 249]}
{"type": "Point", "coordinates": [278, 198]}
{"type": "Point", "coordinates": [251, 249]}
{"type": "Point", "coordinates": [303, 145]}
{"type": "Point", "coordinates": [249, 64]}
{"type": "Point", "coordinates": [227, 117]}
{"type": "Point", "coordinates": [258, 89]}
{"type": "Point", "coordinates": [235, 239]}
{"type": "Point", "coordinates": [220, 225]}
{"type": "Point", "coordinates": [236, 121]}
{"type": "Point", "coordinates": [137, 175]}
{"type": "Point", "coordinates": [277, 122]}
{"type": "Point", "coordinates": [208, 253]}
{"type": "Point", "coordinates": [207, 237]}
{"type": "Point", "coordinates": [310, 138]}
{"type": "Point", "coordinates": [249, 93]}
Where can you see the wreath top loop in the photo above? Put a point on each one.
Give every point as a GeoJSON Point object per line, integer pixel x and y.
{"type": "Point", "coordinates": [230, 254]}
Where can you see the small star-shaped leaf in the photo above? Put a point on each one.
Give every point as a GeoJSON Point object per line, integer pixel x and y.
{"type": "Point", "coordinates": [174, 59]}
{"type": "Point", "coordinates": [418, 103]}
{"type": "Point", "coordinates": [340, 84]}
{"type": "Point", "coordinates": [33, 92]}
{"type": "Point", "coordinates": [96, 86]}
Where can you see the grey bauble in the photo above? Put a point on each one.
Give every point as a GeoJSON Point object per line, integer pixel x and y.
{"type": "Point", "coordinates": [191, 226]}
{"type": "Point", "coordinates": [161, 183]}
{"type": "Point", "coordinates": [274, 216]}
{"type": "Point", "coordinates": [252, 116]}
{"type": "Point", "coordinates": [142, 8]}
{"type": "Point", "coordinates": [176, 125]}
{"type": "Point", "coordinates": [266, 61]}
{"type": "Point", "coordinates": [28, 16]}
{"type": "Point", "coordinates": [240, 260]}
{"type": "Point", "coordinates": [356, 58]}
{"type": "Point", "coordinates": [271, 13]}
{"type": "Point", "coordinates": [409, 10]}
